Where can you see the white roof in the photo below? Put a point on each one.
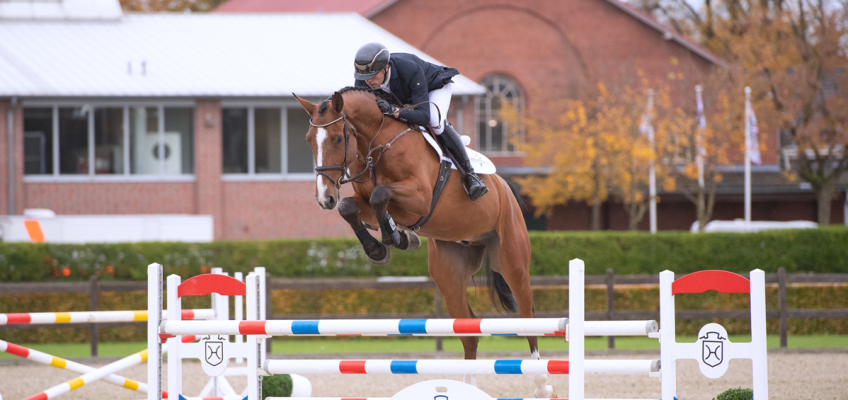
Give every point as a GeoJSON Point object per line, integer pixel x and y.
{"type": "Point", "coordinates": [221, 55]}
{"type": "Point", "coordinates": [60, 9]}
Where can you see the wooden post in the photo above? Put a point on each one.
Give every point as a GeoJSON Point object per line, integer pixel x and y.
{"type": "Point", "coordinates": [92, 293]}
{"type": "Point", "coordinates": [437, 304]}
{"type": "Point", "coordinates": [781, 293]}
{"type": "Point", "coordinates": [610, 305]}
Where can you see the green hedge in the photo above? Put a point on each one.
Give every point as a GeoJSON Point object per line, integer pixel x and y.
{"type": "Point", "coordinates": [822, 250]}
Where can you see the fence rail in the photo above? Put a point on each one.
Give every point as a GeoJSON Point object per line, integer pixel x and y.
{"type": "Point", "coordinates": [609, 280]}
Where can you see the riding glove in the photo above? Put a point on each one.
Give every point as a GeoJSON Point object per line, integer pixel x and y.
{"type": "Point", "coordinates": [385, 107]}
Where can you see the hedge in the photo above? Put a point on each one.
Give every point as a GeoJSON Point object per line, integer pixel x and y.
{"type": "Point", "coordinates": [823, 250]}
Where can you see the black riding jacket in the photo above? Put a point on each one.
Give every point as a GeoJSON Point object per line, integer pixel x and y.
{"type": "Point", "coordinates": [411, 79]}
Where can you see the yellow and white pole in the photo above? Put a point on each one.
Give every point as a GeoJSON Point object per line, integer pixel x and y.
{"type": "Point", "coordinates": [92, 376]}
{"type": "Point", "coordinates": [62, 363]}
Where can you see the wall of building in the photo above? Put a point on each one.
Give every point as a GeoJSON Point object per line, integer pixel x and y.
{"type": "Point", "coordinates": [552, 49]}
{"type": "Point", "coordinates": [241, 210]}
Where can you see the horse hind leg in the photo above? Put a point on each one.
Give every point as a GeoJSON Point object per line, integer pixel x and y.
{"type": "Point", "coordinates": [510, 261]}
{"type": "Point", "coordinates": [377, 253]}
{"type": "Point", "coordinates": [451, 265]}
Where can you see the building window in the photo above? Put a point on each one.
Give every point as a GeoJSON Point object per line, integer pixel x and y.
{"type": "Point", "coordinates": [38, 141]}
{"type": "Point", "coordinates": [265, 141]}
{"type": "Point", "coordinates": [108, 140]}
{"type": "Point", "coordinates": [494, 134]}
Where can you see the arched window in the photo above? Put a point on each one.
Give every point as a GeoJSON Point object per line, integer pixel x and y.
{"type": "Point", "coordinates": [493, 133]}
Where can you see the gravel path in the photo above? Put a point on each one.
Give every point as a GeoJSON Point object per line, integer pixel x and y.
{"type": "Point", "coordinates": [792, 376]}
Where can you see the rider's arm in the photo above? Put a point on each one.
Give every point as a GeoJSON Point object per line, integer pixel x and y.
{"type": "Point", "coordinates": [419, 95]}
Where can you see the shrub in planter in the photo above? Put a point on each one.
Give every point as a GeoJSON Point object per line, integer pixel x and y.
{"type": "Point", "coordinates": [276, 386]}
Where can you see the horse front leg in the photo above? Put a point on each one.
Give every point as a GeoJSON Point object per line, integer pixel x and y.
{"type": "Point", "coordinates": [350, 208]}
{"type": "Point", "coordinates": [380, 202]}
{"type": "Point", "coordinates": [408, 195]}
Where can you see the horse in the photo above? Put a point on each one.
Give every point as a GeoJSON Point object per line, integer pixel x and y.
{"type": "Point", "coordinates": [394, 171]}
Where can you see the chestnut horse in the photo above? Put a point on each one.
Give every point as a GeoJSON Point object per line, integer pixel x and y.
{"type": "Point", "coordinates": [349, 131]}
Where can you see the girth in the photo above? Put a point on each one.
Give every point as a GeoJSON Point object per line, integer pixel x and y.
{"type": "Point", "coordinates": [444, 173]}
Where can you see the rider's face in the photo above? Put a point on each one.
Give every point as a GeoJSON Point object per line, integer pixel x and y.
{"type": "Point", "coordinates": [378, 79]}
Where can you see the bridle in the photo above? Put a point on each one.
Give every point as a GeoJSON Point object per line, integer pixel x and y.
{"type": "Point", "coordinates": [345, 176]}
{"type": "Point", "coordinates": [370, 161]}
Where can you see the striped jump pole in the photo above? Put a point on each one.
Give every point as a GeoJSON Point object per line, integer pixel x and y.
{"type": "Point", "coordinates": [90, 372]}
{"type": "Point", "coordinates": [473, 367]}
{"type": "Point", "coordinates": [374, 327]}
{"type": "Point", "coordinates": [408, 327]}
{"type": "Point", "coordinates": [389, 398]}
{"type": "Point", "coordinates": [87, 317]}
{"type": "Point", "coordinates": [62, 363]}
{"type": "Point", "coordinates": [91, 377]}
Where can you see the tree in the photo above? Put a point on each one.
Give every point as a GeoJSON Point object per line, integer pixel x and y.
{"type": "Point", "coordinates": [685, 140]}
{"type": "Point", "coordinates": [794, 56]}
{"type": "Point", "coordinates": [169, 5]}
{"type": "Point", "coordinates": [594, 149]}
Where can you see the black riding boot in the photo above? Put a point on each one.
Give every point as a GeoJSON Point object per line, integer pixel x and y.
{"type": "Point", "coordinates": [472, 184]}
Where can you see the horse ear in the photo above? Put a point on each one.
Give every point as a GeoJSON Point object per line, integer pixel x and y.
{"type": "Point", "coordinates": [309, 107]}
{"type": "Point", "coordinates": [338, 102]}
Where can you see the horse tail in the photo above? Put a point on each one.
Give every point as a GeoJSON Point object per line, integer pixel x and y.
{"type": "Point", "coordinates": [516, 192]}
{"type": "Point", "coordinates": [497, 286]}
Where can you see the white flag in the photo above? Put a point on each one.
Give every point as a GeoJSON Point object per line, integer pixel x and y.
{"type": "Point", "coordinates": [751, 142]}
{"type": "Point", "coordinates": [699, 138]}
{"type": "Point", "coordinates": [646, 127]}
{"type": "Point", "coordinates": [702, 123]}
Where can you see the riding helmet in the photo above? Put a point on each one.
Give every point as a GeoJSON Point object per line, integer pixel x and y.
{"type": "Point", "coordinates": [370, 59]}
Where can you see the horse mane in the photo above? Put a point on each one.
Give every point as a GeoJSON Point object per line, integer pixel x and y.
{"type": "Point", "coordinates": [379, 93]}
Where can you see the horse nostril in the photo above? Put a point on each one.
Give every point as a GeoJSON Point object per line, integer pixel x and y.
{"type": "Point", "coordinates": [331, 202]}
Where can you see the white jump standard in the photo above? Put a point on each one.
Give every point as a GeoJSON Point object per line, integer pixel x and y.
{"type": "Point", "coordinates": [712, 349]}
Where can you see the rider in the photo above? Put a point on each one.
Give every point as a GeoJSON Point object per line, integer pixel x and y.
{"type": "Point", "coordinates": [415, 81]}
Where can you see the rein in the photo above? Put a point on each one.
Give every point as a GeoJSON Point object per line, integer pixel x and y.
{"type": "Point", "coordinates": [370, 161]}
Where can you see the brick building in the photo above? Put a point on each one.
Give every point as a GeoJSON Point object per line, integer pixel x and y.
{"type": "Point", "coordinates": [86, 92]}
{"type": "Point", "coordinates": [94, 97]}
{"type": "Point", "coordinates": [530, 52]}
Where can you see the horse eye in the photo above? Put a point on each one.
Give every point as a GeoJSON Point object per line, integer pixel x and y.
{"type": "Point", "coordinates": [339, 140]}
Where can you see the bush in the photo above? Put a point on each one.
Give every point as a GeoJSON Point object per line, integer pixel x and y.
{"type": "Point", "coordinates": [812, 250]}
{"type": "Point", "coordinates": [736, 394]}
{"type": "Point", "coordinates": [276, 386]}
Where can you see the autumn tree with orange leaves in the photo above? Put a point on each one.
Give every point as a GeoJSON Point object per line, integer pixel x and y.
{"type": "Point", "coordinates": [594, 150]}
{"type": "Point", "coordinates": [794, 56]}
{"type": "Point", "coordinates": [684, 140]}
{"type": "Point", "coordinates": [170, 5]}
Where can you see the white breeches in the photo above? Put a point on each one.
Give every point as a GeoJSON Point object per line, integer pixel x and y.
{"type": "Point", "coordinates": [441, 98]}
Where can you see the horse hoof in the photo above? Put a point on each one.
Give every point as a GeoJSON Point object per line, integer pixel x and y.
{"type": "Point", "coordinates": [383, 260]}
{"type": "Point", "coordinates": [409, 240]}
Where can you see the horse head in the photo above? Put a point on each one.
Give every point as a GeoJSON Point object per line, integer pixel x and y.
{"type": "Point", "coordinates": [333, 143]}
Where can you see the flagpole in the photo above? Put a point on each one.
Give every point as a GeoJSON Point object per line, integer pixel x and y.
{"type": "Point", "coordinates": [652, 185]}
{"type": "Point", "coordinates": [747, 157]}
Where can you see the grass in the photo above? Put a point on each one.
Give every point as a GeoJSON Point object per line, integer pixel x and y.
{"type": "Point", "coordinates": [397, 345]}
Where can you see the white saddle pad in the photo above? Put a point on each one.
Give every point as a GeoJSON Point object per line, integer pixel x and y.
{"type": "Point", "coordinates": [480, 163]}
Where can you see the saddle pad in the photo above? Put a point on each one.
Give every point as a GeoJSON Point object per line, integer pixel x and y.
{"type": "Point", "coordinates": [481, 164]}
